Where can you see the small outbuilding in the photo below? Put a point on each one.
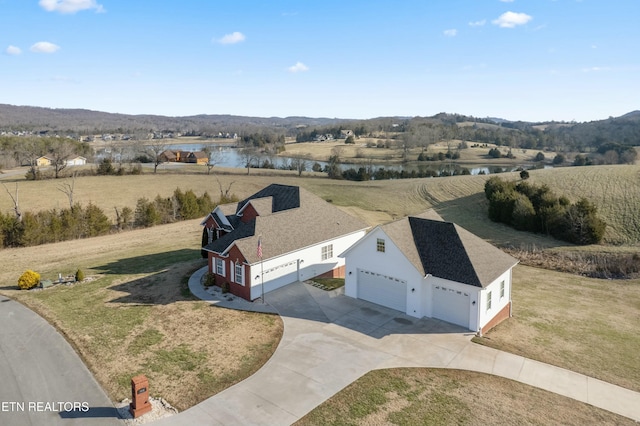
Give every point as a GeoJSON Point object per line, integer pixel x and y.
{"type": "Point", "coordinates": [427, 267]}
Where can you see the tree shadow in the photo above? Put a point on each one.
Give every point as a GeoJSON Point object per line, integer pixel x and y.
{"type": "Point", "coordinates": [471, 213]}
{"type": "Point", "coordinates": [149, 263]}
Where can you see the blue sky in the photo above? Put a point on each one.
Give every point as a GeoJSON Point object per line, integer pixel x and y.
{"type": "Point", "coordinates": [528, 60]}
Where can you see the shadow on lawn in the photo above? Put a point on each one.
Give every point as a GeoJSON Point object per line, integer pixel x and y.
{"type": "Point", "coordinates": [472, 213]}
{"type": "Point", "coordinates": [148, 263]}
{"type": "Point", "coordinates": [166, 282]}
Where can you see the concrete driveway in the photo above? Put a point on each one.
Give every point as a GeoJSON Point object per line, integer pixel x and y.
{"type": "Point", "coordinates": [331, 340]}
{"type": "Point", "coordinates": [43, 380]}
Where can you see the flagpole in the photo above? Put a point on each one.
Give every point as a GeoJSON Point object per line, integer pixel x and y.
{"type": "Point", "coordinates": [262, 279]}
{"type": "Point", "coordinates": [261, 266]}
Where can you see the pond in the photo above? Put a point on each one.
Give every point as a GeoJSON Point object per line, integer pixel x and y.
{"type": "Point", "coordinates": [229, 156]}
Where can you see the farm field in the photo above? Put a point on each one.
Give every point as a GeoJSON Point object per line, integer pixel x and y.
{"type": "Point", "coordinates": [615, 190]}
{"type": "Point", "coordinates": [359, 153]}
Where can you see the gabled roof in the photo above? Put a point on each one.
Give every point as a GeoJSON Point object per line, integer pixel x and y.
{"type": "Point", "coordinates": [446, 250]}
{"type": "Point", "coordinates": [285, 197]}
{"type": "Point", "coordinates": [285, 230]}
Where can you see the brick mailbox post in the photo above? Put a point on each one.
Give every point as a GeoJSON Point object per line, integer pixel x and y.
{"type": "Point", "coordinates": [139, 396]}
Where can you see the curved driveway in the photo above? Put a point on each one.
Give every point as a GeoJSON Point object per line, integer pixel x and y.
{"type": "Point", "coordinates": [330, 340]}
{"type": "Point", "coordinates": [43, 380]}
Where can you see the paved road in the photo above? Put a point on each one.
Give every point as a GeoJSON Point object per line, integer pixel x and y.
{"type": "Point", "coordinates": [42, 376]}
{"type": "Point", "coordinates": [330, 340]}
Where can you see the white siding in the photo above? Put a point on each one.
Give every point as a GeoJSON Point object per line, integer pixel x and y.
{"type": "Point", "coordinates": [497, 302]}
{"type": "Point", "coordinates": [392, 262]}
{"type": "Point", "coordinates": [300, 265]}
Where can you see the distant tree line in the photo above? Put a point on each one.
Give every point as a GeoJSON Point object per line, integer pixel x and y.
{"type": "Point", "coordinates": [535, 208]}
{"type": "Point", "coordinates": [54, 225]}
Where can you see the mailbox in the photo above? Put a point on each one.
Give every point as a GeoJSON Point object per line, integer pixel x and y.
{"type": "Point", "coordinates": [139, 396]}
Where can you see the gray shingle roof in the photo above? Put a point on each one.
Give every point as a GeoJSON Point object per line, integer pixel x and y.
{"type": "Point", "coordinates": [446, 250]}
{"type": "Point", "coordinates": [285, 230]}
{"type": "Point", "coordinates": [285, 197]}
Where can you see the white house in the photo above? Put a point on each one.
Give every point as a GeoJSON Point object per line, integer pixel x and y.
{"type": "Point", "coordinates": [427, 267]}
{"type": "Point", "coordinates": [76, 161]}
{"type": "Point", "coordinates": [300, 237]}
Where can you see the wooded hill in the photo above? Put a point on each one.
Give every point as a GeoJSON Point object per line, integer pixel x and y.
{"type": "Point", "coordinates": [409, 131]}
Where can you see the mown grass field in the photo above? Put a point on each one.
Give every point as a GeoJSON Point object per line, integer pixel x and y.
{"type": "Point", "coordinates": [585, 325]}
{"type": "Point", "coordinates": [137, 316]}
{"type": "Point", "coordinates": [412, 396]}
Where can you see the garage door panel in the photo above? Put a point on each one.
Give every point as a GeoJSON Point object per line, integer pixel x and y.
{"type": "Point", "coordinates": [382, 290]}
{"type": "Point", "coordinates": [451, 305]}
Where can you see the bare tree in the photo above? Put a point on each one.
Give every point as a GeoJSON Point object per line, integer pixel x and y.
{"type": "Point", "coordinates": [59, 153]}
{"type": "Point", "coordinates": [299, 164]}
{"type": "Point", "coordinates": [215, 157]}
{"type": "Point", "coordinates": [248, 157]}
{"type": "Point", "coordinates": [68, 188]}
{"type": "Point", "coordinates": [28, 151]}
{"type": "Point", "coordinates": [16, 206]}
{"type": "Point", "coordinates": [224, 193]}
{"type": "Point", "coordinates": [154, 151]}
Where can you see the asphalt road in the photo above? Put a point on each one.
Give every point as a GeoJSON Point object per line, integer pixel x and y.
{"type": "Point", "coordinates": [42, 379]}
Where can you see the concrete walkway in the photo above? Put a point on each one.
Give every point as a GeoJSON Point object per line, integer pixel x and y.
{"type": "Point", "coordinates": [331, 340]}
{"type": "Point", "coordinates": [43, 380]}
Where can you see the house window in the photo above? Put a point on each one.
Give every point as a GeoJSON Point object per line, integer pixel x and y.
{"type": "Point", "coordinates": [502, 289]}
{"type": "Point", "coordinates": [239, 274]}
{"type": "Point", "coordinates": [488, 301]}
{"type": "Point", "coordinates": [380, 245]}
{"type": "Point", "coordinates": [327, 252]}
{"type": "Point", "coordinates": [220, 266]}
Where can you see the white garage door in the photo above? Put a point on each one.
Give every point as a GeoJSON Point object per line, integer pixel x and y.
{"type": "Point", "coordinates": [451, 305]}
{"type": "Point", "coordinates": [280, 275]}
{"type": "Point", "coordinates": [382, 290]}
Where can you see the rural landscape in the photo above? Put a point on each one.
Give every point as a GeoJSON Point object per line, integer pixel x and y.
{"type": "Point", "coordinates": [135, 214]}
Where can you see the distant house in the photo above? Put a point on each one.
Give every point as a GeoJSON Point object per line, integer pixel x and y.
{"type": "Point", "coordinates": [76, 161]}
{"type": "Point", "coordinates": [197, 157]}
{"type": "Point", "coordinates": [177, 156]}
{"type": "Point", "coordinates": [43, 161]}
{"type": "Point", "coordinates": [298, 234]}
{"type": "Point", "coordinates": [168, 156]}
{"type": "Point", "coordinates": [346, 133]}
{"type": "Point", "coordinates": [426, 267]}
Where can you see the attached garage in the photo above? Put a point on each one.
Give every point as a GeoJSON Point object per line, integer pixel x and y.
{"type": "Point", "coordinates": [382, 290]}
{"type": "Point", "coordinates": [280, 275]}
{"type": "Point", "coordinates": [451, 305]}
{"type": "Point", "coordinates": [440, 270]}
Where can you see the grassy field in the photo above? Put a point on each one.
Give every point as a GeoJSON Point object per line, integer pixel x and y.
{"type": "Point", "coordinates": [137, 316]}
{"type": "Point", "coordinates": [586, 326]}
{"type": "Point", "coordinates": [582, 324]}
{"type": "Point", "coordinates": [360, 153]}
{"type": "Point", "coordinates": [614, 189]}
{"type": "Point", "coordinates": [411, 396]}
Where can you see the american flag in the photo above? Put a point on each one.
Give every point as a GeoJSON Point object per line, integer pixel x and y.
{"type": "Point", "coordinates": [260, 247]}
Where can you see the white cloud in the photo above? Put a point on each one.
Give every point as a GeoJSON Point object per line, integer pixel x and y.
{"type": "Point", "coordinates": [70, 6]}
{"type": "Point", "coordinates": [13, 50]}
{"type": "Point", "coordinates": [450, 33]}
{"type": "Point", "coordinates": [596, 69]}
{"type": "Point", "coordinates": [233, 38]}
{"type": "Point", "coordinates": [478, 23]}
{"type": "Point", "coordinates": [512, 19]}
{"type": "Point", "coordinates": [298, 67]}
{"type": "Point", "coordinates": [44, 47]}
